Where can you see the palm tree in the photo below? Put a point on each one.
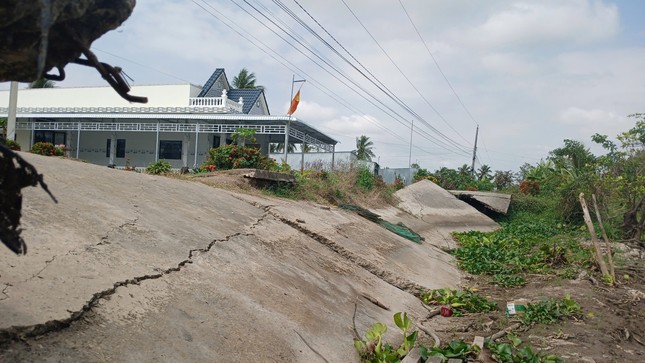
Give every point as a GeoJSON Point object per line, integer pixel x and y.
{"type": "Point", "coordinates": [279, 147]}
{"type": "Point", "coordinates": [484, 172]}
{"type": "Point", "coordinates": [245, 80]}
{"type": "Point", "coordinates": [364, 148]}
{"type": "Point", "coordinates": [42, 83]}
{"type": "Point", "coordinates": [464, 170]}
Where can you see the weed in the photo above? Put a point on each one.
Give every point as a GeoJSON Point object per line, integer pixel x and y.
{"type": "Point", "coordinates": [159, 167]}
{"type": "Point", "coordinates": [509, 280]}
{"type": "Point", "coordinates": [365, 179]}
{"type": "Point", "coordinates": [512, 353]}
{"type": "Point", "coordinates": [551, 311]}
{"type": "Point", "coordinates": [373, 349]}
{"type": "Point", "coordinates": [462, 301]}
{"type": "Point", "coordinates": [455, 349]}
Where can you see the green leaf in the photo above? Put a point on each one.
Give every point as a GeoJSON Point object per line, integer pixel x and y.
{"type": "Point", "coordinates": [399, 321]}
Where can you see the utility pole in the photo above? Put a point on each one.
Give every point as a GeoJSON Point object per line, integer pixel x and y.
{"type": "Point", "coordinates": [410, 156]}
{"type": "Point", "coordinates": [472, 171]}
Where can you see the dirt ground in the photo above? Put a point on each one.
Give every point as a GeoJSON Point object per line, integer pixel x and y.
{"type": "Point", "coordinates": [612, 329]}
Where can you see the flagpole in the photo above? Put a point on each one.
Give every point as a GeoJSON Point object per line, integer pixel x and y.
{"type": "Point", "coordinates": [286, 136]}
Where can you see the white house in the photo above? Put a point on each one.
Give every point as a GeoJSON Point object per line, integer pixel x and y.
{"type": "Point", "coordinates": [180, 123]}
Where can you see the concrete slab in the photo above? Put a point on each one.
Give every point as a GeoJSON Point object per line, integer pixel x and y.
{"type": "Point", "coordinates": [131, 267]}
{"type": "Point", "coordinates": [497, 202]}
{"type": "Point", "coordinates": [434, 213]}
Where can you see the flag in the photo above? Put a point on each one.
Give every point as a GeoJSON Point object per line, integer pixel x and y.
{"type": "Point", "coordinates": [294, 104]}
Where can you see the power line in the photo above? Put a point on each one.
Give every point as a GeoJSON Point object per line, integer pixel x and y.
{"type": "Point", "coordinates": [142, 65]}
{"type": "Point", "coordinates": [403, 74]}
{"type": "Point", "coordinates": [320, 87]}
{"type": "Point", "coordinates": [437, 64]}
{"type": "Point", "coordinates": [427, 136]}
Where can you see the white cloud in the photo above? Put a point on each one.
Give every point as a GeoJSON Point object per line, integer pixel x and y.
{"type": "Point", "coordinates": [527, 24]}
{"type": "Point", "coordinates": [590, 121]}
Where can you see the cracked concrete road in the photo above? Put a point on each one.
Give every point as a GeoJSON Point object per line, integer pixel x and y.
{"type": "Point", "coordinates": [132, 267]}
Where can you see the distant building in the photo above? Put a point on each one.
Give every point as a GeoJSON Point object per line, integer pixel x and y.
{"type": "Point", "coordinates": [180, 123]}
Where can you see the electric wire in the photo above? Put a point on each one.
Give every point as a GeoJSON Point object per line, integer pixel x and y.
{"type": "Point", "coordinates": [400, 70]}
{"type": "Point", "coordinates": [429, 137]}
{"type": "Point", "coordinates": [320, 87]}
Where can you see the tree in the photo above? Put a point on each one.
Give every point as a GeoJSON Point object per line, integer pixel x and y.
{"type": "Point", "coordinates": [364, 148]}
{"type": "Point", "coordinates": [622, 176]}
{"type": "Point", "coordinates": [42, 83]}
{"type": "Point", "coordinates": [464, 170]}
{"type": "Point", "coordinates": [244, 79]}
{"type": "Point", "coordinates": [484, 172]}
{"type": "Point", "coordinates": [503, 179]}
{"type": "Point", "coordinates": [279, 147]}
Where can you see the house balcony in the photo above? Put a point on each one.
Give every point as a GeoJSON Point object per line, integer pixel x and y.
{"type": "Point", "coordinates": [224, 103]}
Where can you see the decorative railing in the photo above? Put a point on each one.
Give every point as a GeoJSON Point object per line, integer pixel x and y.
{"type": "Point", "coordinates": [222, 102]}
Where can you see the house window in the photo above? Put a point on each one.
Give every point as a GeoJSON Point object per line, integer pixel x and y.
{"type": "Point", "coordinates": [170, 149]}
{"type": "Point", "coordinates": [52, 137]}
{"type": "Point", "coordinates": [120, 148]}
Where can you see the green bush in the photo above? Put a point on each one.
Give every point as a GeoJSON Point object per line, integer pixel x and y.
{"type": "Point", "coordinates": [47, 149]}
{"type": "Point", "coordinates": [365, 179]}
{"type": "Point", "coordinates": [238, 157]}
{"type": "Point", "coordinates": [12, 145]}
{"type": "Point", "coordinates": [159, 167]}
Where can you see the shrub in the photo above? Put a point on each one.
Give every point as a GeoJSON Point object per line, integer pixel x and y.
{"type": "Point", "coordinates": [365, 179]}
{"type": "Point", "coordinates": [159, 167]}
{"type": "Point", "coordinates": [47, 149]}
{"type": "Point", "coordinates": [238, 157]}
{"type": "Point", "coordinates": [398, 183]}
{"type": "Point", "coordinates": [12, 145]}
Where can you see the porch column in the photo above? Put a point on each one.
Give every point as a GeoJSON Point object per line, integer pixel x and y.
{"type": "Point", "coordinates": [196, 143]}
{"type": "Point", "coordinates": [11, 116]}
{"type": "Point", "coordinates": [157, 144]}
{"type": "Point", "coordinates": [78, 138]}
{"type": "Point", "coordinates": [184, 150]}
{"type": "Point", "coordinates": [264, 144]}
{"type": "Point", "coordinates": [222, 139]}
{"type": "Point", "coordinates": [113, 149]}
{"type": "Point", "coordinates": [333, 155]}
{"type": "Point", "coordinates": [302, 159]}
{"type": "Point", "coordinates": [286, 140]}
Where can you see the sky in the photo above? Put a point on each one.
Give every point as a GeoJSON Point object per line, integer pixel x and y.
{"type": "Point", "coordinates": [529, 73]}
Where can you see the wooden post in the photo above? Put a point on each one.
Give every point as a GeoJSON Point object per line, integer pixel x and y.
{"type": "Point", "coordinates": [594, 239]}
{"type": "Point", "coordinates": [610, 258]}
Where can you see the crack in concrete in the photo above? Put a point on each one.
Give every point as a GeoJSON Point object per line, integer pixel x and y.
{"type": "Point", "coordinates": [104, 239]}
{"type": "Point", "coordinates": [387, 276]}
{"type": "Point", "coordinates": [20, 333]}
{"type": "Point", "coordinates": [3, 292]}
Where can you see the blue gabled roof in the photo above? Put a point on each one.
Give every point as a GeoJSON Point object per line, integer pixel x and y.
{"type": "Point", "coordinates": [211, 81]}
{"type": "Point", "coordinates": [249, 97]}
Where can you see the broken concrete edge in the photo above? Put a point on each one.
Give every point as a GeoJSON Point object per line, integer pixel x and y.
{"type": "Point", "coordinates": [502, 205]}
{"type": "Point", "coordinates": [271, 176]}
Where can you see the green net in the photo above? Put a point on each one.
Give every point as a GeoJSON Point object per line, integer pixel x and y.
{"type": "Point", "coordinates": [398, 228]}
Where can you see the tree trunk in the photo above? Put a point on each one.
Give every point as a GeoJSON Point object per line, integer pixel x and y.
{"type": "Point", "coordinates": [632, 227]}
{"type": "Point", "coordinates": [594, 239]}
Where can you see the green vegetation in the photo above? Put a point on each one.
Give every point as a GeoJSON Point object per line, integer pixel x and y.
{"type": "Point", "coordinates": [512, 353]}
{"type": "Point", "coordinates": [11, 144]}
{"type": "Point", "coordinates": [455, 349]}
{"type": "Point", "coordinates": [462, 301]}
{"type": "Point", "coordinates": [364, 148]}
{"type": "Point", "coordinates": [551, 311]}
{"type": "Point", "coordinates": [159, 167]}
{"type": "Point", "coordinates": [373, 349]}
{"type": "Point", "coordinates": [236, 157]}
{"type": "Point", "coordinates": [47, 149]}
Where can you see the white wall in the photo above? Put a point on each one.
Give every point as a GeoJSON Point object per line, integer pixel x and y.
{"type": "Point", "coordinates": [158, 96]}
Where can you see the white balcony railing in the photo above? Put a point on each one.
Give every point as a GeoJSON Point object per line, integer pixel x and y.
{"type": "Point", "coordinates": [227, 105]}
